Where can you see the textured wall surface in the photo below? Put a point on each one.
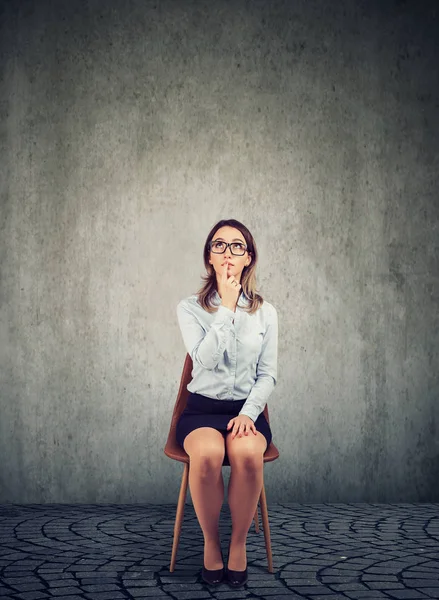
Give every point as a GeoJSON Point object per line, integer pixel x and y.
{"type": "Point", "coordinates": [127, 130]}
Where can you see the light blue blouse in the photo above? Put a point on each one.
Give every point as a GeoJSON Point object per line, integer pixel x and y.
{"type": "Point", "coordinates": [234, 354]}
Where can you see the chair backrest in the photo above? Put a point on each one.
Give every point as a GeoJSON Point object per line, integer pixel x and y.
{"type": "Point", "coordinates": [183, 394]}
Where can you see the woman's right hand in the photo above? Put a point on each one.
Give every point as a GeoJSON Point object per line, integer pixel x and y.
{"type": "Point", "coordinates": [229, 289]}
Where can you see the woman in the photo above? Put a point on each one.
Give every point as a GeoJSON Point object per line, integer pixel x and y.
{"type": "Point", "coordinates": [230, 333]}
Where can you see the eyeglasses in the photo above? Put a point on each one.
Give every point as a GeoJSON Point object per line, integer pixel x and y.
{"type": "Point", "coordinates": [236, 248]}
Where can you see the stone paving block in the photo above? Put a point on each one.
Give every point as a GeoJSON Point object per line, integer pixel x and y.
{"type": "Point", "coordinates": [182, 587]}
{"type": "Point", "coordinates": [261, 575]}
{"type": "Point", "coordinates": [340, 572]}
{"type": "Point", "coordinates": [11, 556]}
{"type": "Point", "coordinates": [20, 569]}
{"type": "Point", "coordinates": [341, 587]}
{"type": "Point", "coordinates": [105, 587]}
{"type": "Point", "coordinates": [432, 592]}
{"type": "Point", "coordinates": [31, 564]}
{"type": "Point", "coordinates": [289, 596]}
{"type": "Point", "coordinates": [382, 570]}
{"type": "Point", "coordinates": [44, 570]}
{"type": "Point", "coordinates": [400, 594]}
{"type": "Point", "coordinates": [315, 589]}
{"type": "Point", "coordinates": [325, 597]}
{"type": "Point", "coordinates": [254, 581]}
{"type": "Point", "coordinates": [158, 597]}
{"type": "Point", "coordinates": [368, 577]}
{"type": "Point", "coordinates": [105, 577]}
{"type": "Point", "coordinates": [132, 575]}
{"type": "Point", "coordinates": [105, 595]}
{"type": "Point", "coordinates": [58, 561]}
{"type": "Point", "coordinates": [192, 595]}
{"type": "Point", "coordinates": [385, 585]}
{"type": "Point", "coordinates": [239, 594]}
{"type": "Point", "coordinates": [91, 561]}
{"type": "Point", "coordinates": [179, 579]}
{"type": "Point", "coordinates": [293, 571]}
{"type": "Point", "coordinates": [140, 583]}
{"type": "Point", "coordinates": [59, 583]}
{"type": "Point", "coordinates": [271, 592]}
{"type": "Point", "coordinates": [75, 597]}
{"type": "Point", "coordinates": [421, 583]}
{"type": "Point", "coordinates": [32, 595]}
{"type": "Point", "coordinates": [351, 565]}
{"type": "Point", "coordinates": [363, 594]}
{"type": "Point", "coordinates": [64, 591]}
{"type": "Point", "coordinates": [423, 569]}
{"type": "Point", "coordinates": [301, 582]}
{"type": "Point", "coordinates": [327, 579]}
{"type": "Point", "coordinates": [98, 580]}
{"type": "Point", "coordinates": [28, 587]}
{"type": "Point", "coordinates": [147, 593]}
{"type": "Point", "coordinates": [81, 568]}
{"type": "Point", "coordinates": [13, 580]}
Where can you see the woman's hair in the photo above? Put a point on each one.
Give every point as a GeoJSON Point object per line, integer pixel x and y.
{"type": "Point", "coordinates": [248, 277]}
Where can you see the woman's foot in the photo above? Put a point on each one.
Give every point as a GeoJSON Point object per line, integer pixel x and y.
{"type": "Point", "coordinates": [212, 555]}
{"type": "Point", "coordinates": [237, 557]}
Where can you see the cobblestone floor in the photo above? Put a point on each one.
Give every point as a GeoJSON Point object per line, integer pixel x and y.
{"type": "Point", "coordinates": [320, 551]}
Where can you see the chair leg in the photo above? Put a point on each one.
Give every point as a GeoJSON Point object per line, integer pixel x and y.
{"type": "Point", "coordinates": [256, 518]}
{"type": "Point", "coordinates": [179, 515]}
{"type": "Point", "coordinates": [266, 525]}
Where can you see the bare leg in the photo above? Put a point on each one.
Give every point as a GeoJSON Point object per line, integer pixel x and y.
{"type": "Point", "coordinates": [206, 448]}
{"type": "Point", "coordinates": [245, 484]}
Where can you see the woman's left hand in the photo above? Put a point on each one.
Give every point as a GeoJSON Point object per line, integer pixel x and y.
{"type": "Point", "coordinates": [241, 424]}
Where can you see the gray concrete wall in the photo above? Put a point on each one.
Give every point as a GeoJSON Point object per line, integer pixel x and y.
{"type": "Point", "coordinates": [127, 130]}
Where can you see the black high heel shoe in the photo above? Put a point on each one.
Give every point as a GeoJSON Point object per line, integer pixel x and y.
{"type": "Point", "coordinates": [213, 576]}
{"type": "Point", "coordinates": [236, 578]}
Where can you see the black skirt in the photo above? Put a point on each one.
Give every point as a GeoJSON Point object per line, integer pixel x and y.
{"type": "Point", "coordinates": [202, 411]}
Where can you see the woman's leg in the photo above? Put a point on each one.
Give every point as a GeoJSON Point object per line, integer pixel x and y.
{"type": "Point", "coordinates": [206, 448]}
{"type": "Point", "coordinates": [246, 462]}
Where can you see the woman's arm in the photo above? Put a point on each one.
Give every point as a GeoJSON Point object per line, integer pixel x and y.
{"type": "Point", "coordinates": [205, 348]}
{"type": "Point", "coordinates": [266, 371]}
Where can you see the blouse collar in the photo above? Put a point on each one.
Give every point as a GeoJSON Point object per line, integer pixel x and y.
{"type": "Point", "coordinates": [242, 301]}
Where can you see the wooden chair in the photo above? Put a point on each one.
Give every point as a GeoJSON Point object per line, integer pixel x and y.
{"type": "Point", "coordinates": [173, 450]}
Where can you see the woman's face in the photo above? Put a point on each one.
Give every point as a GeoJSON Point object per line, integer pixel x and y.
{"type": "Point", "coordinates": [237, 263]}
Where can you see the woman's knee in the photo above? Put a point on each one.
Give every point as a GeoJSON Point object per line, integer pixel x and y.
{"type": "Point", "coordinates": [248, 455]}
{"type": "Point", "coordinates": [206, 449]}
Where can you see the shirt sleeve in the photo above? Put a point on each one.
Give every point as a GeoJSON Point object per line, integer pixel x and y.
{"type": "Point", "coordinates": [266, 372]}
{"type": "Point", "coordinates": [205, 347]}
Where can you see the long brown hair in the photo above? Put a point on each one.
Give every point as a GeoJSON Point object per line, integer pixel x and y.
{"type": "Point", "coordinates": [248, 277]}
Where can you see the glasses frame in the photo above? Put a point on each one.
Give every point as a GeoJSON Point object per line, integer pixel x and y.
{"type": "Point", "coordinates": [227, 245]}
